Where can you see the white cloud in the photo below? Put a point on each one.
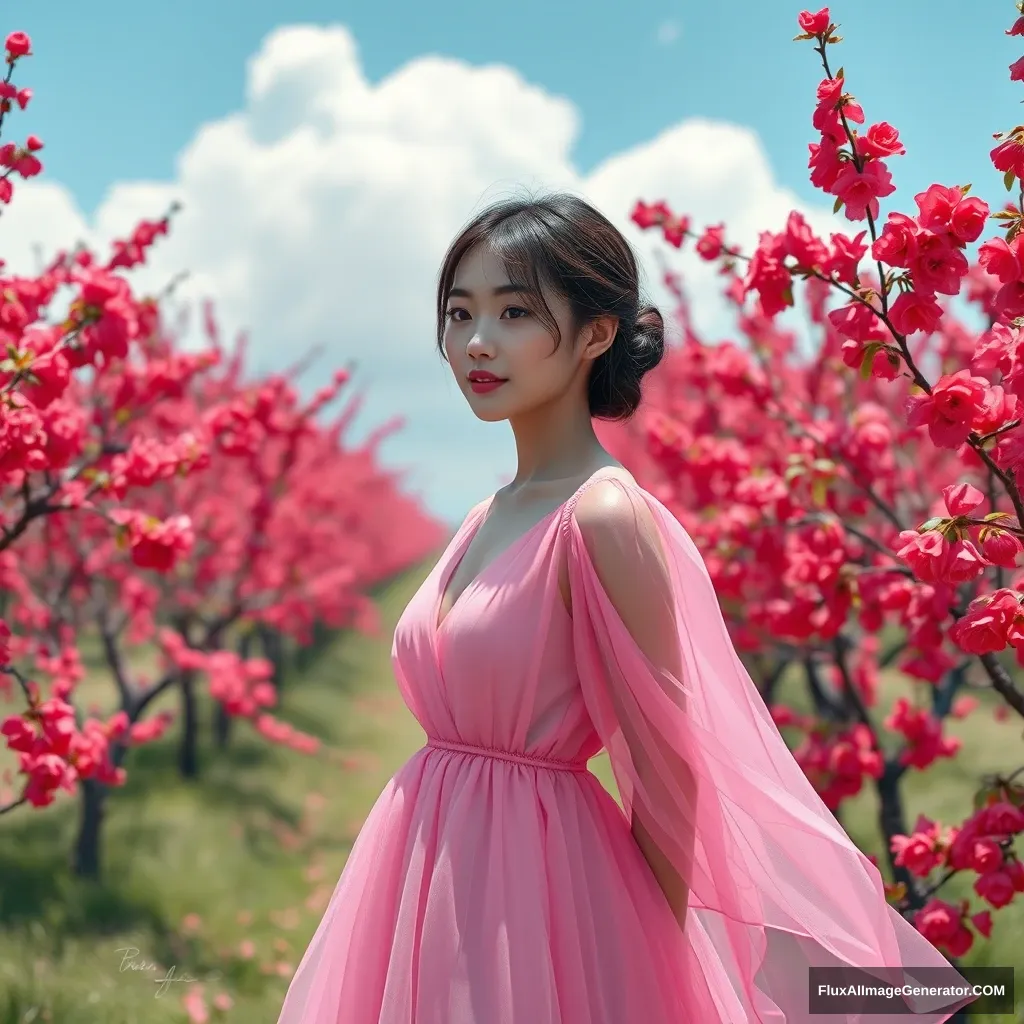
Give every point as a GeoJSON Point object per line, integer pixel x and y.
{"type": "Point", "coordinates": [668, 32]}
{"type": "Point", "coordinates": [318, 215]}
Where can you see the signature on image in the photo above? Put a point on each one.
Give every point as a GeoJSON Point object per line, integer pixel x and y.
{"type": "Point", "coordinates": [131, 961]}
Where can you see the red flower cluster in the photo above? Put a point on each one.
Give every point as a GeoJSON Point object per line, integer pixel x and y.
{"type": "Point", "coordinates": [981, 845]}
{"type": "Point", "coordinates": [53, 753]}
{"type": "Point", "coordinates": [15, 159]}
{"type": "Point", "coordinates": [974, 547]}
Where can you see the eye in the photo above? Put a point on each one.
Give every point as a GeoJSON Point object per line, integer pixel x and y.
{"type": "Point", "coordinates": [451, 313]}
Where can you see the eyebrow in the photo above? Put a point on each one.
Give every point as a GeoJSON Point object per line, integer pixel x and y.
{"type": "Point", "coordinates": [502, 289]}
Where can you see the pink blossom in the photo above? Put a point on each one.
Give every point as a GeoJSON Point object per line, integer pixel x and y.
{"type": "Point", "coordinates": [938, 265]}
{"type": "Point", "coordinates": [995, 888]}
{"type": "Point", "coordinates": [942, 924]}
{"type": "Point", "coordinates": [983, 629]}
{"type": "Point", "coordinates": [18, 44]}
{"type": "Point", "coordinates": [927, 553]}
{"type": "Point", "coordinates": [800, 242]}
{"type": "Point", "coordinates": [1009, 155]}
{"type": "Point", "coordinates": [897, 242]}
{"type": "Point", "coordinates": [824, 163]}
{"type": "Point", "coordinates": [814, 24]}
{"type": "Point", "coordinates": [983, 922]}
{"type": "Point", "coordinates": [880, 140]}
{"type": "Point", "coordinates": [1001, 548]}
{"type": "Point", "coordinates": [1000, 819]}
{"type": "Point", "coordinates": [710, 244]}
{"type": "Point", "coordinates": [949, 410]}
{"type": "Point", "coordinates": [961, 499]}
{"type": "Point", "coordinates": [968, 220]}
{"type": "Point", "coordinates": [913, 312]}
{"type": "Point", "coordinates": [916, 853]}
{"type": "Point", "coordinates": [861, 190]}
{"type": "Point", "coordinates": [845, 257]}
{"type": "Point", "coordinates": [1001, 259]}
{"type": "Point", "coordinates": [936, 205]}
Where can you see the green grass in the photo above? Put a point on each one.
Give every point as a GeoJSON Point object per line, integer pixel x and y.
{"type": "Point", "coordinates": [223, 880]}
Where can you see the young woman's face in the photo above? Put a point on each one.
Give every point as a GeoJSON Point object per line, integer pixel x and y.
{"type": "Point", "coordinates": [492, 329]}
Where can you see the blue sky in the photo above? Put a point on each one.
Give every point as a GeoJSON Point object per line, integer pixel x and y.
{"type": "Point", "coordinates": [324, 170]}
{"type": "Point", "coordinates": [121, 86]}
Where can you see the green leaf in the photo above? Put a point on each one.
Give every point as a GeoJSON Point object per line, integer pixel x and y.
{"type": "Point", "coordinates": [870, 350]}
{"type": "Point", "coordinates": [982, 797]}
{"type": "Point", "coordinates": [819, 491]}
{"type": "Point", "coordinates": [840, 73]}
{"type": "Point", "coordinates": [1008, 178]}
{"type": "Point", "coordinates": [839, 204]}
{"type": "Point", "coordinates": [964, 189]}
{"type": "Point", "coordinates": [931, 524]}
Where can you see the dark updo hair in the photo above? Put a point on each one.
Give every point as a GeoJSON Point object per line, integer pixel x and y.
{"type": "Point", "coordinates": [563, 242]}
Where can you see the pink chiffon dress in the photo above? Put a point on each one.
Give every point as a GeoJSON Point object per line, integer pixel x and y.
{"type": "Point", "coordinates": [495, 881]}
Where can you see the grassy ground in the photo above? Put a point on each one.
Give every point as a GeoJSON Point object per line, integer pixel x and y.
{"type": "Point", "coordinates": [213, 888]}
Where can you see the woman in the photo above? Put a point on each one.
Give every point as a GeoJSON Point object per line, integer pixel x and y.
{"type": "Point", "coordinates": [495, 881]}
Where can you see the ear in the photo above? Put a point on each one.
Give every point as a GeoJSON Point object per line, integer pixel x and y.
{"type": "Point", "coordinates": [598, 336]}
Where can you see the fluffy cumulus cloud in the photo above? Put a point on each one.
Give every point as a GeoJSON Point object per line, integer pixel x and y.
{"type": "Point", "coordinates": [317, 216]}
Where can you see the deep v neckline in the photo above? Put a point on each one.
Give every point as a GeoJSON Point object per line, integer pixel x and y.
{"type": "Point", "coordinates": [453, 566]}
{"type": "Point", "coordinates": [460, 557]}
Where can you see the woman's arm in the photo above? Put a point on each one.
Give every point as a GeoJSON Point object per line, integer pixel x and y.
{"type": "Point", "coordinates": [626, 552]}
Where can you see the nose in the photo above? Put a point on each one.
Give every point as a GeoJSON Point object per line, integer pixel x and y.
{"type": "Point", "coordinates": [480, 345]}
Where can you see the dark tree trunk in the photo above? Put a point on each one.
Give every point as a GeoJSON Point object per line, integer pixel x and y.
{"type": "Point", "coordinates": [86, 859]}
{"type": "Point", "coordinates": [188, 751]}
{"type": "Point", "coordinates": [892, 821]}
{"type": "Point", "coordinates": [273, 650]}
{"type": "Point", "coordinates": [222, 727]}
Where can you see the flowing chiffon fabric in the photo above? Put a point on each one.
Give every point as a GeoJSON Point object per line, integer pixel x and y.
{"type": "Point", "coordinates": [496, 882]}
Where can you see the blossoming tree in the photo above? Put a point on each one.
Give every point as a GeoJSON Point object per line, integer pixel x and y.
{"type": "Point", "coordinates": [812, 485]}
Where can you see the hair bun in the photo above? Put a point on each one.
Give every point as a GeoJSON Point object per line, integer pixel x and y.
{"type": "Point", "coordinates": [648, 340]}
{"type": "Point", "coordinates": [615, 381]}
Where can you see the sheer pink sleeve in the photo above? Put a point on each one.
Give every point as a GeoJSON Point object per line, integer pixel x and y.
{"type": "Point", "coordinates": [775, 884]}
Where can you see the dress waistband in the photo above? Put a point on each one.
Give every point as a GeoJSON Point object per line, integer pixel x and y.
{"type": "Point", "coordinates": [507, 755]}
